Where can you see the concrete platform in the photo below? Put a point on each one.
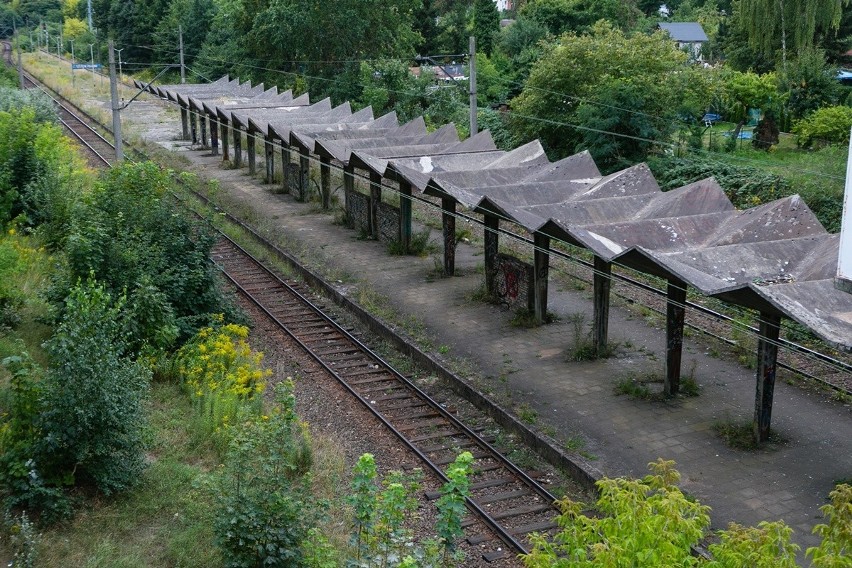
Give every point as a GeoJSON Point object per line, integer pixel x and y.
{"type": "Point", "coordinates": [527, 369]}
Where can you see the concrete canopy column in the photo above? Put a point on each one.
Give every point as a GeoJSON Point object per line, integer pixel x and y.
{"type": "Point", "coordinates": [250, 149]}
{"type": "Point", "coordinates": [405, 214]}
{"type": "Point", "coordinates": [304, 175]}
{"type": "Point", "coordinates": [224, 130]}
{"type": "Point", "coordinates": [193, 126]}
{"type": "Point", "coordinates": [285, 169]}
{"type": "Point", "coordinates": [675, 312]}
{"type": "Point", "coordinates": [269, 159]}
{"type": "Point", "coordinates": [325, 181]}
{"type": "Point", "coordinates": [448, 224]}
{"type": "Point", "coordinates": [348, 189]}
{"type": "Point", "coordinates": [214, 138]}
{"type": "Point", "coordinates": [602, 281]}
{"type": "Point", "coordinates": [492, 242]}
{"type": "Point", "coordinates": [767, 364]}
{"type": "Point", "coordinates": [238, 146]}
{"type": "Point", "coordinates": [184, 123]}
{"type": "Point", "coordinates": [541, 269]}
{"type": "Point", "coordinates": [202, 119]}
{"type": "Point", "coordinates": [375, 199]}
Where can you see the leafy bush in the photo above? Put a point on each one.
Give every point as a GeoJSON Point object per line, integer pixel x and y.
{"type": "Point", "coordinates": [765, 546]}
{"type": "Point", "coordinates": [265, 506]}
{"type": "Point", "coordinates": [129, 235]}
{"type": "Point", "coordinates": [91, 421]}
{"type": "Point", "coordinates": [22, 485]}
{"type": "Point", "coordinates": [835, 548]}
{"type": "Point", "coordinates": [37, 179]}
{"type": "Point", "coordinates": [13, 100]}
{"type": "Point", "coordinates": [828, 125]}
{"type": "Point", "coordinates": [649, 521]}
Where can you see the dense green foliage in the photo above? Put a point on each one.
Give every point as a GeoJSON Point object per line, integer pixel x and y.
{"type": "Point", "coordinates": [650, 522]}
{"type": "Point", "coordinates": [265, 507]}
{"type": "Point", "coordinates": [827, 125]}
{"type": "Point", "coordinates": [79, 421]}
{"type": "Point", "coordinates": [636, 84]}
{"type": "Point", "coordinates": [645, 522]}
{"type": "Point", "coordinates": [745, 186]}
{"type": "Point", "coordinates": [126, 232]}
{"type": "Point", "coordinates": [91, 422]}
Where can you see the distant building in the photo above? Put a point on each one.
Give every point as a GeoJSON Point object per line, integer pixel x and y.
{"type": "Point", "coordinates": [503, 5]}
{"type": "Point", "coordinates": [688, 35]}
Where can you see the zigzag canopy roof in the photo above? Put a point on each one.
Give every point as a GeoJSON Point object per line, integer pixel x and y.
{"type": "Point", "coordinates": [775, 257]}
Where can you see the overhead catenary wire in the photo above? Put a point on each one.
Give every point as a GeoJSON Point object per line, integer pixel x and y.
{"type": "Point", "coordinates": [524, 240]}
{"type": "Point", "coordinates": [743, 326]}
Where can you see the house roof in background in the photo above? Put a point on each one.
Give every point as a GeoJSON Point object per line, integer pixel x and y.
{"type": "Point", "coordinates": [684, 31]}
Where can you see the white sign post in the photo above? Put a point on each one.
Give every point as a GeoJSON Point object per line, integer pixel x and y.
{"type": "Point", "coordinates": [844, 258]}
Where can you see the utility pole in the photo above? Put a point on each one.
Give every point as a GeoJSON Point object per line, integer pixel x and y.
{"type": "Point", "coordinates": [89, 14]}
{"type": "Point", "coordinates": [20, 65]}
{"type": "Point", "coordinates": [180, 40]}
{"type": "Point", "coordinates": [73, 60]}
{"type": "Point", "coordinates": [116, 109]}
{"type": "Point", "coordinates": [472, 83]}
{"type": "Point", "coordinates": [58, 53]}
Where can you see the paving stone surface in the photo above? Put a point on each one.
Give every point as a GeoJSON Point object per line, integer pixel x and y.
{"type": "Point", "coordinates": [528, 370]}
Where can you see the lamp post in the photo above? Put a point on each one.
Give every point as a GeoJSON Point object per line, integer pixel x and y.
{"type": "Point", "coordinates": [120, 76]}
{"type": "Point", "coordinates": [92, 53]}
{"type": "Point", "coordinates": [73, 82]}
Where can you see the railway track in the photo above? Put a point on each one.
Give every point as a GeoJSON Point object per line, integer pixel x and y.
{"type": "Point", "coordinates": [504, 498]}
{"type": "Point", "coordinates": [79, 124]}
{"type": "Point", "coordinates": [506, 504]}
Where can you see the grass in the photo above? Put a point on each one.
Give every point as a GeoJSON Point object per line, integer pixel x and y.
{"type": "Point", "coordinates": [165, 521]}
{"type": "Point", "coordinates": [739, 435]}
{"type": "Point", "coordinates": [526, 413]}
{"type": "Point", "coordinates": [525, 318]}
{"type": "Point", "coordinates": [577, 444]}
{"type": "Point", "coordinates": [419, 245]}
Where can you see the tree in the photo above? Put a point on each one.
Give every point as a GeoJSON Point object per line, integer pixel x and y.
{"type": "Point", "coordinates": [743, 91]}
{"type": "Point", "coordinates": [795, 22]}
{"type": "Point", "coordinates": [578, 70]}
{"type": "Point", "coordinates": [486, 25]}
{"type": "Point", "coordinates": [809, 83]}
{"type": "Point", "coordinates": [560, 16]}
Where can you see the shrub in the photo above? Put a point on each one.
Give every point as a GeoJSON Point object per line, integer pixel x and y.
{"type": "Point", "coordinates": [265, 507]}
{"type": "Point", "coordinates": [22, 485]}
{"type": "Point", "coordinates": [649, 521]}
{"type": "Point", "coordinates": [765, 546]}
{"type": "Point", "coordinates": [828, 125]}
{"type": "Point", "coordinates": [128, 234]}
{"type": "Point", "coordinates": [835, 547]}
{"type": "Point", "coordinates": [92, 421]}
{"type": "Point", "coordinates": [745, 186]}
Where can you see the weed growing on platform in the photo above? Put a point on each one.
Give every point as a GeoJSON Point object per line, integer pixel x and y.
{"type": "Point", "coordinates": [527, 414]}
{"type": "Point", "coordinates": [739, 435]}
{"type": "Point", "coordinates": [577, 444]}
{"type": "Point", "coordinates": [583, 347]}
{"type": "Point", "coordinates": [525, 318]}
{"type": "Point", "coordinates": [419, 245]}
{"type": "Point", "coordinates": [633, 388]}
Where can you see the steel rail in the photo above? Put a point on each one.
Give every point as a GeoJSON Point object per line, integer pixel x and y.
{"type": "Point", "coordinates": [493, 454]}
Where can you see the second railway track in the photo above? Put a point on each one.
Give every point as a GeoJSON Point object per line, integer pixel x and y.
{"type": "Point", "coordinates": [503, 497]}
